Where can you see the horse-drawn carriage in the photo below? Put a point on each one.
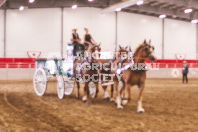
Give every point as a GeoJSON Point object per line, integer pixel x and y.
{"type": "Point", "coordinates": [64, 70]}
{"type": "Point", "coordinates": [60, 68]}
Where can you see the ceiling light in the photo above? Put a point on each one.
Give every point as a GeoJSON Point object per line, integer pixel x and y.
{"type": "Point", "coordinates": [118, 9]}
{"type": "Point", "coordinates": [90, 0]}
{"type": "Point", "coordinates": [74, 6]}
{"type": "Point", "coordinates": [21, 8]}
{"type": "Point", "coordinates": [162, 16]}
{"type": "Point", "coordinates": [140, 2]}
{"type": "Point", "coordinates": [188, 10]}
{"type": "Point", "coordinates": [194, 21]}
{"type": "Point", "coordinates": [31, 1]}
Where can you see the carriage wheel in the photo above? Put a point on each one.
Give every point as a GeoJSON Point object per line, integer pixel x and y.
{"type": "Point", "coordinates": [60, 87]}
{"type": "Point", "coordinates": [69, 87]}
{"type": "Point", "coordinates": [40, 82]}
{"type": "Point", "coordinates": [92, 89]}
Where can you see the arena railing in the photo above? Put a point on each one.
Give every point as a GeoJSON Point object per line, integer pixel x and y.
{"type": "Point", "coordinates": [30, 63]}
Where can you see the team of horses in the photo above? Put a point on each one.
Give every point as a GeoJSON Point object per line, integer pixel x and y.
{"type": "Point", "coordinates": [128, 77]}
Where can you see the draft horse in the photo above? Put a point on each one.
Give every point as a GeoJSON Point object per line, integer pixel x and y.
{"type": "Point", "coordinates": [136, 76]}
{"type": "Point", "coordinates": [85, 74]}
{"type": "Point", "coordinates": [113, 67]}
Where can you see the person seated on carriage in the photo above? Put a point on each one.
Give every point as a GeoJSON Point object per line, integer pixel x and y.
{"type": "Point", "coordinates": [76, 41]}
{"type": "Point", "coordinates": [89, 42]}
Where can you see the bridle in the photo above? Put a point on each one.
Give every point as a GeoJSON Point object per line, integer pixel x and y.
{"type": "Point", "coordinates": [144, 48]}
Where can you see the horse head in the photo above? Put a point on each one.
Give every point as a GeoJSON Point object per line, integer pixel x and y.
{"type": "Point", "coordinates": [145, 50]}
{"type": "Point", "coordinates": [96, 49]}
{"type": "Point", "coordinates": [123, 51]}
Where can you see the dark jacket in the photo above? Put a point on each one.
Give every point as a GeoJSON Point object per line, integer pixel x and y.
{"type": "Point", "coordinates": [185, 69]}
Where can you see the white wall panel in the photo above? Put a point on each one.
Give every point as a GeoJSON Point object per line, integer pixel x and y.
{"type": "Point", "coordinates": [180, 38]}
{"type": "Point", "coordinates": [1, 32]}
{"type": "Point", "coordinates": [101, 26]}
{"type": "Point", "coordinates": [33, 30]}
{"type": "Point", "coordinates": [133, 29]}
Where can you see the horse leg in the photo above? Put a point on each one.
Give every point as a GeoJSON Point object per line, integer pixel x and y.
{"type": "Point", "coordinates": [97, 90]}
{"type": "Point", "coordinates": [78, 92]}
{"type": "Point", "coordinates": [106, 94]}
{"type": "Point", "coordinates": [140, 97]}
{"type": "Point", "coordinates": [87, 94]}
{"type": "Point", "coordinates": [112, 90]}
{"type": "Point", "coordinates": [119, 93]}
{"type": "Point", "coordinates": [123, 95]}
{"type": "Point", "coordinates": [84, 98]}
{"type": "Point", "coordinates": [128, 97]}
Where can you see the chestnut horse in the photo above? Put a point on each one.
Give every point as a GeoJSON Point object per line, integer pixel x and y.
{"type": "Point", "coordinates": [113, 67]}
{"type": "Point", "coordinates": [83, 73]}
{"type": "Point", "coordinates": [136, 76]}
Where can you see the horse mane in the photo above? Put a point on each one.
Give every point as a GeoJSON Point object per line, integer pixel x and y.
{"type": "Point", "coordinates": [138, 48]}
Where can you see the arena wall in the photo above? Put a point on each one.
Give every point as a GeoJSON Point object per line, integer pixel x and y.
{"type": "Point", "coordinates": [41, 30]}
{"type": "Point", "coordinates": [133, 29]}
{"type": "Point", "coordinates": [27, 74]}
{"type": "Point", "coordinates": [33, 30]}
{"type": "Point", "coordinates": [101, 26]}
{"type": "Point", "coordinates": [180, 38]}
{"type": "Point", "coordinates": [1, 32]}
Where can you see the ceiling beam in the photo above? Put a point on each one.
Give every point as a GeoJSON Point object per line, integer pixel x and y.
{"type": "Point", "coordinates": [121, 5]}
{"type": "Point", "coordinates": [184, 3]}
{"type": "Point", "coordinates": [2, 2]}
{"type": "Point", "coordinates": [158, 11]}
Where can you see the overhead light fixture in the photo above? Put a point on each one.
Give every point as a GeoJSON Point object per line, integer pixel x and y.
{"type": "Point", "coordinates": [21, 8]}
{"type": "Point", "coordinates": [90, 0]}
{"type": "Point", "coordinates": [140, 2]}
{"type": "Point", "coordinates": [162, 16]}
{"type": "Point", "coordinates": [119, 5]}
{"type": "Point", "coordinates": [188, 10]}
{"type": "Point", "coordinates": [194, 21]}
{"type": "Point", "coordinates": [74, 6]}
{"type": "Point", "coordinates": [118, 9]}
{"type": "Point", "coordinates": [31, 1]}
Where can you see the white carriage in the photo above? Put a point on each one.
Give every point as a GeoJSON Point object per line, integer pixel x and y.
{"type": "Point", "coordinates": [62, 69]}
{"type": "Point", "coordinates": [59, 68]}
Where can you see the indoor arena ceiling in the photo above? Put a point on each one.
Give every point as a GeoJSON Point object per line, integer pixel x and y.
{"type": "Point", "coordinates": [172, 8]}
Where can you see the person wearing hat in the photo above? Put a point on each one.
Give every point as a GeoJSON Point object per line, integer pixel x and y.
{"type": "Point", "coordinates": [76, 42]}
{"type": "Point", "coordinates": [185, 72]}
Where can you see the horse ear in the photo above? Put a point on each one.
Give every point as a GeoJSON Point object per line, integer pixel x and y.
{"type": "Point", "coordinates": [150, 41]}
{"type": "Point", "coordinates": [126, 48]}
{"type": "Point", "coordinates": [99, 44]}
{"type": "Point", "coordinates": [145, 41]}
{"type": "Point", "coordinates": [120, 47]}
{"type": "Point", "coordinates": [130, 49]}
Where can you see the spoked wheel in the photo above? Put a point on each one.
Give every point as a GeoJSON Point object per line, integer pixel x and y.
{"type": "Point", "coordinates": [40, 82]}
{"type": "Point", "coordinates": [69, 87]}
{"type": "Point", "coordinates": [60, 87]}
{"type": "Point", "coordinates": [92, 89]}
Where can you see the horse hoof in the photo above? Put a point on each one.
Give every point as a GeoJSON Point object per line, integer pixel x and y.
{"type": "Point", "coordinates": [88, 103]}
{"type": "Point", "coordinates": [124, 102]}
{"type": "Point", "coordinates": [141, 111]}
{"type": "Point", "coordinates": [112, 100]}
{"type": "Point", "coordinates": [108, 99]}
{"type": "Point", "coordinates": [106, 95]}
{"type": "Point", "coordinates": [120, 107]}
{"type": "Point", "coordinates": [84, 98]}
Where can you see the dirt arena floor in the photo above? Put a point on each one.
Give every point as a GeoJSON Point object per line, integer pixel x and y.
{"type": "Point", "coordinates": [170, 107]}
